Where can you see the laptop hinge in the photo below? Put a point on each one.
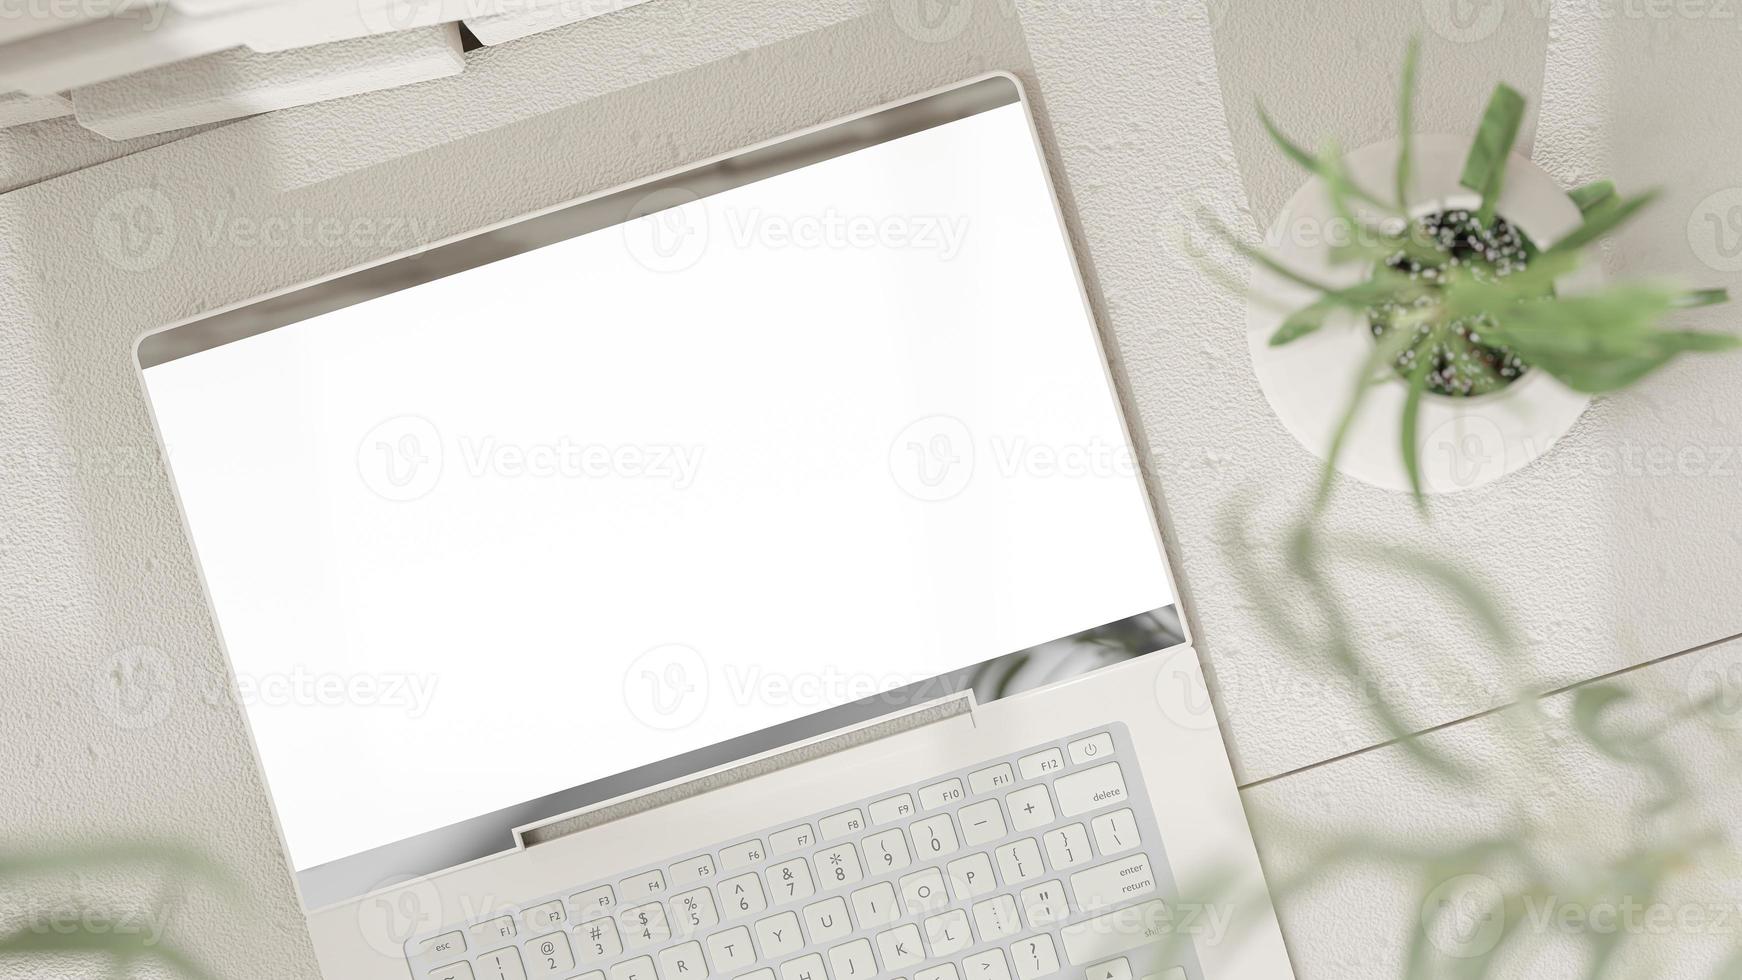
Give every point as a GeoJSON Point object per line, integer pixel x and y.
{"type": "Point", "coordinates": [931, 713]}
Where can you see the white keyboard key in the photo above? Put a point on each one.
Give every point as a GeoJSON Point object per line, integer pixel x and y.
{"type": "Point", "coordinates": [791, 839]}
{"type": "Point", "coordinates": [900, 947]}
{"type": "Point", "coordinates": [779, 935]}
{"type": "Point", "coordinates": [1171, 973]}
{"type": "Point", "coordinates": [1068, 847]}
{"type": "Point", "coordinates": [1030, 808]}
{"type": "Point", "coordinates": [732, 950]}
{"type": "Point", "coordinates": [741, 855]}
{"type": "Point", "coordinates": [1119, 969]}
{"type": "Point", "coordinates": [853, 961]}
{"type": "Point", "coordinates": [1090, 789]}
{"type": "Point", "coordinates": [593, 901]}
{"type": "Point", "coordinates": [838, 866]}
{"type": "Point", "coordinates": [494, 931]}
{"type": "Point", "coordinates": [924, 892]}
{"type": "Point", "coordinates": [948, 933]}
{"type": "Point", "coordinates": [947, 793]}
{"type": "Point", "coordinates": [827, 920]}
{"type": "Point", "coordinates": [743, 896]}
{"type": "Point", "coordinates": [1044, 904]}
{"type": "Point", "coordinates": [446, 945]}
{"type": "Point", "coordinates": [808, 967]}
{"type": "Point", "coordinates": [596, 940]}
{"type": "Point", "coordinates": [987, 965]}
{"type": "Point", "coordinates": [1019, 861]}
{"type": "Point", "coordinates": [887, 851]}
{"type": "Point", "coordinates": [682, 962]}
{"type": "Point", "coordinates": [595, 975]}
{"type": "Point", "coordinates": [762, 974]}
{"type": "Point", "coordinates": [1091, 749]}
{"type": "Point", "coordinates": [1035, 956]}
{"type": "Point", "coordinates": [945, 971]}
{"type": "Point", "coordinates": [790, 881]}
{"type": "Point", "coordinates": [1113, 883]}
{"type": "Point", "coordinates": [697, 869]}
{"type": "Point", "coordinates": [1115, 832]}
{"type": "Point", "coordinates": [841, 825]}
{"type": "Point", "coordinates": [639, 968]}
{"type": "Point", "coordinates": [875, 906]}
{"type": "Point", "coordinates": [996, 918]}
{"type": "Point", "coordinates": [453, 971]}
{"type": "Point", "coordinates": [892, 810]}
{"type": "Point", "coordinates": [546, 916]}
{"type": "Point", "coordinates": [645, 925]}
{"type": "Point", "coordinates": [1041, 764]}
{"type": "Point", "coordinates": [982, 822]}
{"type": "Point", "coordinates": [694, 912]}
{"type": "Point", "coordinates": [935, 837]}
{"type": "Point", "coordinates": [549, 956]}
{"type": "Point", "coordinates": [1121, 931]}
{"type": "Point", "coordinates": [503, 964]}
{"type": "Point", "coordinates": [649, 884]}
{"type": "Point", "coordinates": [992, 778]}
{"type": "Point", "coordinates": [971, 877]}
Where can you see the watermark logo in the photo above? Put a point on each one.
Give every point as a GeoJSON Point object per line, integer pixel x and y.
{"type": "Point", "coordinates": [1464, 21]}
{"type": "Point", "coordinates": [664, 234]}
{"type": "Point", "coordinates": [1715, 685]}
{"type": "Point", "coordinates": [1471, 448]}
{"type": "Point", "coordinates": [1182, 694]}
{"type": "Point", "coordinates": [135, 230]}
{"type": "Point", "coordinates": [134, 688]}
{"type": "Point", "coordinates": [401, 459]}
{"type": "Point", "coordinates": [932, 21]}
{"type": "Point", "coordinates": [1465, 916]}
{"type": "Point", "coordinates": [397, 909]}
{"type": "Point", "coordinates": [666, 688]}
{"type": "Point", "coordinates": [1715, 230]}
{"type": "Point", "coordinates": [933, 458]}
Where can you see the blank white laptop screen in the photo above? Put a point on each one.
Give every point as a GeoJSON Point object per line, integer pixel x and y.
{"type": "Point", "coordinates": [634, 493]}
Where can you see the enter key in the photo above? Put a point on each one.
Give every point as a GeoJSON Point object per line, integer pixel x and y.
{"type": "Point", "coordinates": [1114, 883]}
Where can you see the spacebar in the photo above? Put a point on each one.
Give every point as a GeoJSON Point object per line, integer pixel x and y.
{"type": "Point", "coordinates": [1114, 933]}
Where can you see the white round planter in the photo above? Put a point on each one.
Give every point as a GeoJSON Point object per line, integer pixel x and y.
{"type": "Point", "coordinates": [1465, 442]}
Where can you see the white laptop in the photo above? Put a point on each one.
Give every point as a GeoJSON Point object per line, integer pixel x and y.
{"type": "Point", "coordinates": [745, 573]}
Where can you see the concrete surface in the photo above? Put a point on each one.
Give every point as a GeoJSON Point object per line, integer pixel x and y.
{"type": "Point", "coordinates": [1620, 547]}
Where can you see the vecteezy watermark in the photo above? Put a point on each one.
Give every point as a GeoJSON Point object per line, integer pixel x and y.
{"type": "Point", "coordinates": [145, 926]}
{"type": "Point", "coordinates": [401, 459]}
{"type": "Point", "coordinates": [1471, 447]}
{"type": "Point", "coordinates": [1714, 686]}
{"type": "Point", "coordinates": [67, 12]}
{"type": "Point", "coordinates": [134, 687]}
{"type": "Point", "coordinates": [933, 21]}
{"type": "Point", "coordinates": [397, 909]}
{"type": "Point", "coordinates": [299, 229]}
{"type": "Point", "coordinates": [405, 458]}
{"type": "Point", "coordinates": [671, 230]}
{"type": "Point", "coordinates": [1182, 694]}
{"type": "Point", "coordinates": [1464, 21]}
{"type": "Point", "coordinates": [135, 230]}
{"type": "Point", "coordinates": [1465, 917]}
{"type": "Point", "coordinates": [936, 458]}
{"type": "Point", "coordinates": [1469, 21]}
{"type": "Point", "coordinates": [666, 688]}
{"type": "Point", "coordinates": [1715, 230]}
{"type": "Point", "coordinates": [299, 687]}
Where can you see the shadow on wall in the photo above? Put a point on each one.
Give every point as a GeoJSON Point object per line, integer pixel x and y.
{"type": "Point", "coordinates": [84, 936]}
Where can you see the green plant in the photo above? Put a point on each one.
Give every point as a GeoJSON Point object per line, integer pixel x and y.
{"type": "Point", "coordinates": [1461, 303]}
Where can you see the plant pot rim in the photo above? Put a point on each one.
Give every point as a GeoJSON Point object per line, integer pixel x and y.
{"type": "Point", "coordinates": [1511, 426]}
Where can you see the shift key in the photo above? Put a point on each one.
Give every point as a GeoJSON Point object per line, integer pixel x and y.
{"type": "Point", "coordinates": [1090, 789]}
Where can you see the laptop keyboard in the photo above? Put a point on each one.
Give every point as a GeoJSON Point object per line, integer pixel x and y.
{"type": "Point", "coordinates": [1046, 862]}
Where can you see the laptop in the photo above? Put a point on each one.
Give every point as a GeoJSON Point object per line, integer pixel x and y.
{"type": "Point", "coordinates": [745, 573]}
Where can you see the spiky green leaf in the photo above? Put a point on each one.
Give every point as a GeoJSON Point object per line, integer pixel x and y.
{"type": "Point", "coordinates": [1485, 167]}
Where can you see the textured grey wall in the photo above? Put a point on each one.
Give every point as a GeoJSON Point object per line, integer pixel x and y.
{"type": "Point", "coordinates": [116, 720]}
